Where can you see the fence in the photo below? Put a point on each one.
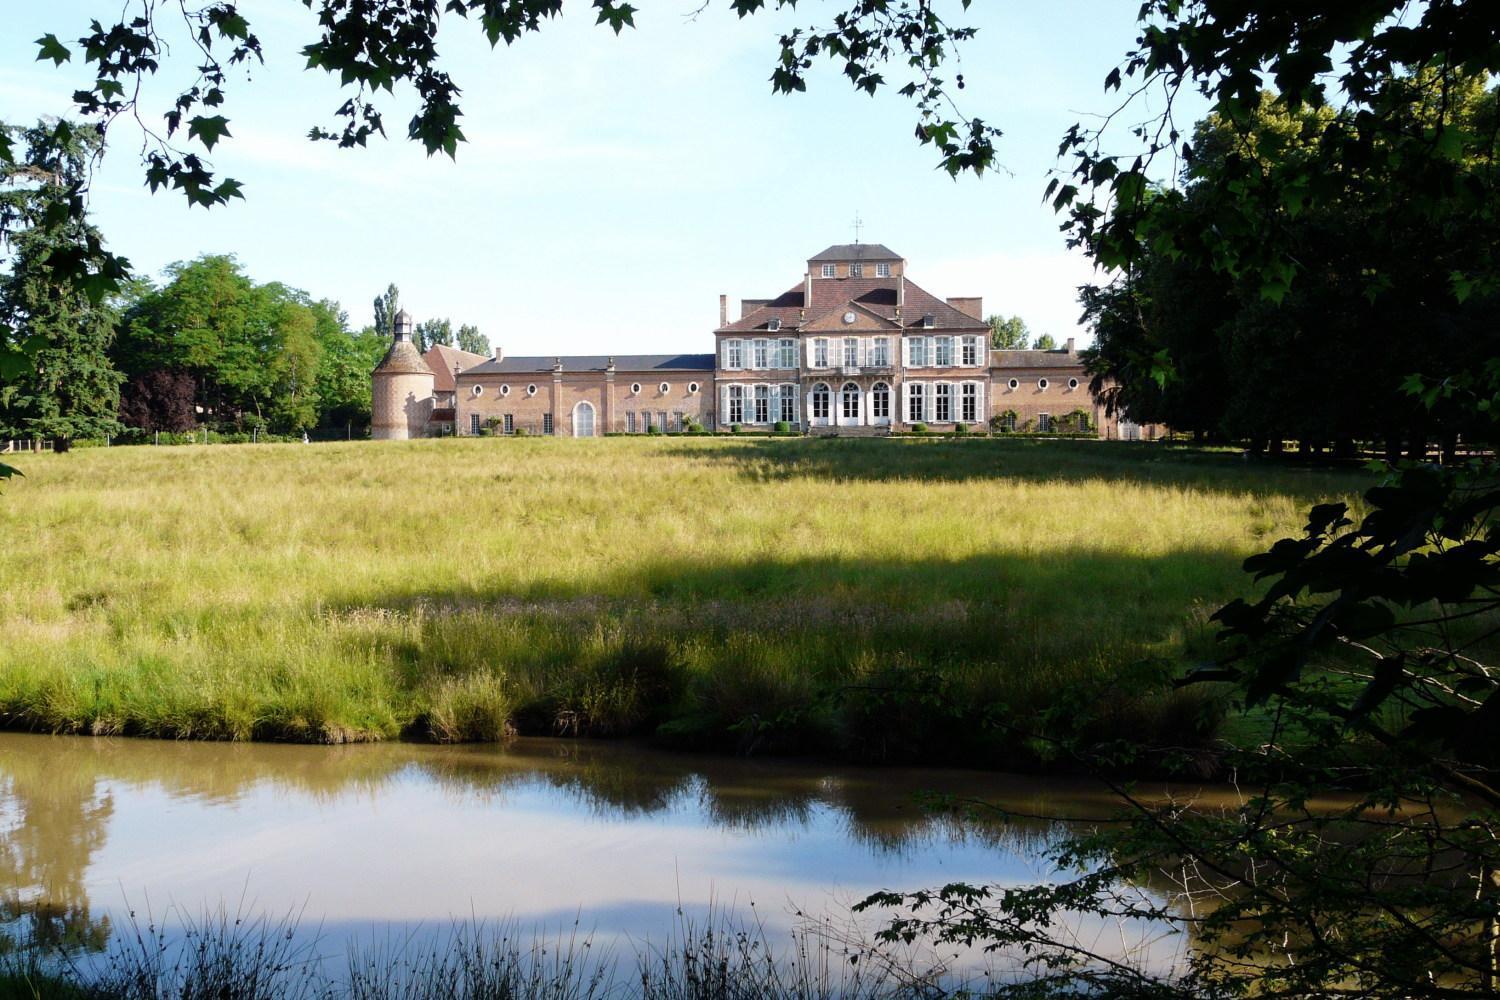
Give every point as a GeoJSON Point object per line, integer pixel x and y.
{"type": "Point", "coordinates": [11, 447]}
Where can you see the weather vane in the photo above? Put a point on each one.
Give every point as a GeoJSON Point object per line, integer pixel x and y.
{"type": "Point", "coordinates": [858, 225]}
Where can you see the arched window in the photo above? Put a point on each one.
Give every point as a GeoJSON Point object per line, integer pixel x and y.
{"type": "Point", "coordinates": [820, 396]}
{"type": "Point", "coordinates": [849, 401]}
{"type": "Point", "coordinates": [880, 401]}
{"type": "Point", "coordinates": [583, 420]}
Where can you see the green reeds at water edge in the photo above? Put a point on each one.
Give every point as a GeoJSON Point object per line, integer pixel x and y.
{"type": "Point", "coordinates": [717, 958]}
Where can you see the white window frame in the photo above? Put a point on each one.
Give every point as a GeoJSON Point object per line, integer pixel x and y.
{"type": "Point", "coordinates": [849, 351]}
{"type": "Point", "coordinates": [823, 398]}
{"type": "Point", "coordinates": [916, 402]}
{"type": "Point", "coordinates": [762, 411]}
{"type": "Point", "coordinates": [629, 421]}
{"type": "Point", "coordinates": [787, 410]}
{"type": "Point", "coordinates": [829, 271]}
{"type": "Point", "coordinates": [734, 354]}
{"type": "Point", "coordinates": [1044, 423]}
{"type": "Point", "coordinates": [942, 352]}
{"type": "Point", "coordinates": [547, 426]}
{"type": "Point", "coordinates": [1013, 384]}
{"type": "Point", "coordinates": [970, 351]}
{"type": "Point", "coordinates": [882, 270]}
{"type": "Point", "coordinates": [880, 401]}
{"type": "Point", "coordinates": [474, 424]}
{"type": "Point", "coordinates": [1042, 384]}
{"type": "Point", "coordinates": [736, 414]}
{"type": "Point", "coordinates": [880, 352]}
{"type": "Point", "coordinates": [820, 352]}
{"type": "Point", "coordinates": [508, 421]}
{"type": "Point", "coordinates": [942, 403]}
{"type": "Point", "coordinates": [760, 356]}
{"type": "Point", "coordinates": [968, 402]}
{"type": "Point", "coordinates": [786, 353]}
{"type": "Point", "coordinates": [916, 352]}
{"type": "Point", "coordinates": [856, 270]}
{"type": "Point", "coordinates": [1072, 384]}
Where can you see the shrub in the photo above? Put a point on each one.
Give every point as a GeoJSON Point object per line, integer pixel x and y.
{"type": "Point", "coordinates": [521, 432]}
{"type": "Point", "coordinates": [734, 428]}
{"type": "Point", "coordinates": [960, 428]}
{"type": "Point", "coordinates": [783, 427]}
{"type": "Point", "coordinates": [919, 428]}
{"type": "Point", "coordinates": [653, 429]}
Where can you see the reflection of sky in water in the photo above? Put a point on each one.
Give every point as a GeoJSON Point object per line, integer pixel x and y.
{"type": "Point", "coordinates": [356, 841]}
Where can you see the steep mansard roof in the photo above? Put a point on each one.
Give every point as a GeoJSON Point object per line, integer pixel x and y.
{"type": "Point", "coordinates": [596, 363]}
{"type": "Point", "coordinates": [875, 294]}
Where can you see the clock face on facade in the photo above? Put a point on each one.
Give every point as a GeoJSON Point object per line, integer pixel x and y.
{"type": "Point", "coordinates": [848, 317]}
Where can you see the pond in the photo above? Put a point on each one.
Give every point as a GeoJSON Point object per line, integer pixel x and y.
{"type": "Point", "coordinates": [364, 842]}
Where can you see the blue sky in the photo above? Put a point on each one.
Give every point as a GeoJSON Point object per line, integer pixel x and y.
{"type": "Point", "coordinates": [612, 188]}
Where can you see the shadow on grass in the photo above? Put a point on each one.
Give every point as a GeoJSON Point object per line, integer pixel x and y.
{"type": "Point", "coordinates": [949, 459]}
{"type": "Point", "coordinates": [894, 660]}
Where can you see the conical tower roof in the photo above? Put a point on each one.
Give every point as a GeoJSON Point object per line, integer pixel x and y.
{"type": "Point", "coordinates": [402, 359]}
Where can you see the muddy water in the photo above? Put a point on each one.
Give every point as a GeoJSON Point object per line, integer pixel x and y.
{"type": "Point", "coordinates": [367, 839]}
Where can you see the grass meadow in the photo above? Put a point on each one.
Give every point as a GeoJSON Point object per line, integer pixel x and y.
{"type": "Point", "coordinates": [877, 599]}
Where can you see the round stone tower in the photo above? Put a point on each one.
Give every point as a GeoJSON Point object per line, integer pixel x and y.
{"type": "Point", "coordinates": [400, 389]}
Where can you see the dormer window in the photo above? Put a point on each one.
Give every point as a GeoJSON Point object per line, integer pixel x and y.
{"type": "Point", "coordinates": [882, 270]}
{"type": "Point", "coordinates": [829, 271]}
{"type": "Point", "coordinates": [773, 325]}
{"type": "Point", "coordinates": [928, 321]}
{"type": "Point", "coordinates": [856, 270]}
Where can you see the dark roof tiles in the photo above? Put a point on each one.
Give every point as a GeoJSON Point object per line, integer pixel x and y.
{"type": "Point", "coordinates": [856, 251]}
{"type": "Point", "coordinates": [595, 363]}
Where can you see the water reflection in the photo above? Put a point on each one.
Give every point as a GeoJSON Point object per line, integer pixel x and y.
{"type": "Point", "coordinates": [540, 831]}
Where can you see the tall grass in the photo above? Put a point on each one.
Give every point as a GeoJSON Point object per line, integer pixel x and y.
{"type": "Point", "coordinates": [720, 957]}
{"type": "Point", "coordinates": [880, 599]}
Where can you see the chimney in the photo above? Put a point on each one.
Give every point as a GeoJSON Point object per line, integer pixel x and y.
{"type": "Point", "coordinates": [969, 306]}
{"type": "Point", "coordinates": [723, 311]}
{"type": "Point", "coordinates": [900, 292]}
{"type": "Point", "coordinates": [748, 306]}
{"type": "Point", "coordinates": [807, 289]}
{"type": "Point", "coordinates": [1069, 345]}
{"type": "Point", "coordinates": [499, 354]}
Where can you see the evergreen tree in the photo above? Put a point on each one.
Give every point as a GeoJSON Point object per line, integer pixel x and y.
{"type": "Point", "coordinates": [72, 389]}
{"type": "Point", "coordinates": [386, 307]}
{"type": "Point", "coordinates": [433, 331]}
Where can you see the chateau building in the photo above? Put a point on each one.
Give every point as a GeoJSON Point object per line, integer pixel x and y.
{"type": "Point", "coordinates": [856, 347]}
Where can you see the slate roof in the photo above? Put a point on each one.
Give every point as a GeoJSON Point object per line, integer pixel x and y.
{"type": "Point", "coordinates": [1059, 358]}
{"type": "Point", "coordinates": [857, 251]}
{"type": "Point", "coordinates": [875, 294]}
{"type": "Point", "coordinates": [444, 360]}
{"type": "Point", "coordinates": [402, 359]}
{"type": "Point", "coordinates": [596, 363]}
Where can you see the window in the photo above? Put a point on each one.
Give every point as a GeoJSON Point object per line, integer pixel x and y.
{"type": "Point", "coordinates": [1072, 383]}
{"type": "Point", "coordinates": [630, 422]}
{"type": "Point", "coordinates": [851, 352]}
{"type": "Point", "coordinates": [734, 354]}
{"type": "Point", "coordinates": [478, 390]}
{"type": "Point", "coordinates": [1008, 421]}
{"type": "Point", "coordinates": [474, 423]}
{"type": "Point", "coordinates": [881, 355]}
{"type": "Point", "coordinates": [820, 401]}
{"type": "Point", "coordinates": [856, 270]}
{"type": "Point", "coordinates": [786, 354]}
{"type": "Point", "coordinates": [789, 404]}
{"type": "Point", "coordinates": [736, 404]}
{"type": "Point", "coordinates": [942, 353]}
{"type": "Point", "coordinates": [762, 405]}
{"type": "Point", "coordinates": [882, 270]}
{"type": "Point", "coordinates": [510, 423]}
{"type": "Point", "coordinates": [546, 423]}
{"type": "Point", "coordinates": [505, 390]}
{"type": "Point", "coordinates": [916, 399]}
{"type": "Point", "coordinates": [761, 357]}
{"type": "Point", "coordinates": [828, 270]}
{"type": "Point", "coordinates": [970, 351]}
{"type": "Point", "coordinates": [942, 408]}
{"type": "Point", "coordinates": [849, 401]}
{"type": "Point", "coordinates": [1013, 384]}
{"type": "Point", "coordinates": [1041, 384]}
{"type": "Point", "coordinates": [677, 420]}
{"type": "Point", "coordinates": [880, 401]}
{"type": "Point", "coordinates": [531, 389]}
{"type": "Point", "coordinates": [664, 388]}
{"type": "Point", "coordinates": [661, 421]}
{"type": "Point", "coordinates": [917, 350]}
{"type": "Point", "coordinates": [968, 410]}
{"type": "Point", "coordinates": [820, 353]}
{"type": "Point", "coordinates": [692, 388]}
{"type": "Point", "coordinates": [1044, 422]}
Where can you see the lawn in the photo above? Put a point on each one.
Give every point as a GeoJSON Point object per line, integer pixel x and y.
{"type": "Point", "coordinates": [881, 599]}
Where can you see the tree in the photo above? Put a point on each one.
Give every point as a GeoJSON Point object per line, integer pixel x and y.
{"type": "Point", "coordinates": [1045, 342]}
{"type": "Point", "coordinates": [159, 400]}
{"type": "Point", "coordinates": [344, 375]}
{"type": "Point", "coordinates": [70, 389]}
{"type": "Point", "coordinates": [1009, 334]}
{"type": "Point", "coordinates": [471, 340]}
{"type": "Point", "coordinates": [386, 307]}
{"type": "Point", "coordinates": [434, 331]}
